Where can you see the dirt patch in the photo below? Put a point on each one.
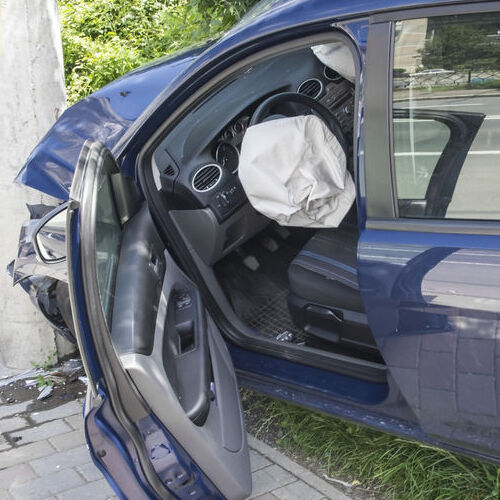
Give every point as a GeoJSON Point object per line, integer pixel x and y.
{"type": "Point", "coordinates": [18, 392]}
{"type": "Point", "coordinates": [60, 384]}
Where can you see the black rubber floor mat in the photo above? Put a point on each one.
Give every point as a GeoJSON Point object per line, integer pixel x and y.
{"type": "Point", "coordinates": [259, 297]}
{"type": "Point", "coordinates": [272, 319]}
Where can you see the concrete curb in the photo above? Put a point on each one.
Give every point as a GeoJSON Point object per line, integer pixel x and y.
{"type": "Point", "coordinates": [297, 470]}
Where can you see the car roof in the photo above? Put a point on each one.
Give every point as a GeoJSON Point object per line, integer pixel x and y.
{"type": "Point", "coordinates": [294, 11]}
{"type": "Point", "coordinates": [270, 16]}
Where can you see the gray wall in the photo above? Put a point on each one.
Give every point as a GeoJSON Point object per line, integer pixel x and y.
{"type": "Point", "coordinates": [32, 96]}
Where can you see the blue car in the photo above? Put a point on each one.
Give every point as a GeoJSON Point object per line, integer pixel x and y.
{"type": "Point", "coordinates": [272, 211]}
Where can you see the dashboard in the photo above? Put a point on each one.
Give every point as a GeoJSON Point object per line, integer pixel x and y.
{"type": "Point", "coordinates": [227, 152]}
{"type": "Point", "coordinates": [197, 162]}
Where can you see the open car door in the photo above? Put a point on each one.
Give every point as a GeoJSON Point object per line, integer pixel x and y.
{"type": "Point", "coordinates": [163, 415]}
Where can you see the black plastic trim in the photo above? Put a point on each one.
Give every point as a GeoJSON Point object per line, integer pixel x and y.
{"type": "Point", "coordinates": [378, 176]}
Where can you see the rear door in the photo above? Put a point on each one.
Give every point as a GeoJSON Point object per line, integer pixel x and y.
{"type": "Point", "coordinates": [429, 252]}
{"type": "Point", "coordinates": [163, 415]}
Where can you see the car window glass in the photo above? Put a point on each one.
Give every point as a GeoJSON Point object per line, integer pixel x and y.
{"type": "Point", "coordinates": [413, 137]}
{"type": "Point", "coordinates": [107, 242]}
{"type": "Point", "coordinates": [446, 116]}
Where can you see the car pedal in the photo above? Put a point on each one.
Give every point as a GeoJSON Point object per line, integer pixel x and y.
{"type": "Point", "coordinates": [283, 232]}
{"type": "Point", "coordinates": [251, 263]}
{"type": "Point", "coordinates": [270, 244]}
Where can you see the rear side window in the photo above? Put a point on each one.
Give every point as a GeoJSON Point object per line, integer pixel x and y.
{"type": "Point", "coordinates": [446, 116]}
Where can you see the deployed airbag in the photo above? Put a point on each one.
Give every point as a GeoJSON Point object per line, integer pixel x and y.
{"type": "Point", "coordinates": [293, 170]}
{"type": "Point", "coordinates": [338, 57]}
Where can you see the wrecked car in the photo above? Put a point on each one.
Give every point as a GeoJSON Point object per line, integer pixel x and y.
{"type": "Point", "coordinates": [273, 211]}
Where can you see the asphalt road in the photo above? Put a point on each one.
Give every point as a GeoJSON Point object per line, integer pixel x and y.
{"type": "Point", "coordinates": [477, 193]}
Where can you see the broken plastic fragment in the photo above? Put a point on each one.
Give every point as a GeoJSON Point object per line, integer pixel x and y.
{"type": "Point", "coordinates": [20, 376]}
{"type": "Point", "coordinates": [45, 392]}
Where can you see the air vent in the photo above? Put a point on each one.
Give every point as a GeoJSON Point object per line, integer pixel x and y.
{"type": "Point", "coordinates": [331, 74]}
{"type": "Point", "coordinates": [169, 171]}
{"type": "Point", "coordinates": [207, 177]}
{"type": "Point", "coordinates": [312, 88]}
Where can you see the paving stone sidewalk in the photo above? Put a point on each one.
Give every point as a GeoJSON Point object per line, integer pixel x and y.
{"type": "Point", "coordinates": [51, 461]}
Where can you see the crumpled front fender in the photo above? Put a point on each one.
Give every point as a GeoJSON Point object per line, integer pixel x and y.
{"type": "Point", "coordinates": [46, 284]}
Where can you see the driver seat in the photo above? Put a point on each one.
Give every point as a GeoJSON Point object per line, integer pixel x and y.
{"type": "Point", "coordinates": [324, 297]}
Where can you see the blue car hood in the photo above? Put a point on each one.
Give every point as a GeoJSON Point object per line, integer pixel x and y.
{"type": "Point", "coordinates": [104, 116]}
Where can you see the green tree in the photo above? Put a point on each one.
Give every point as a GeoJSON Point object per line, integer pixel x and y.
{"type": "Point", "coordinates": [103, 39]}
{"type": "Point", "coordinates": [460, 46]}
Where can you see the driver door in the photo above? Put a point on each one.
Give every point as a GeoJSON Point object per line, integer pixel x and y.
{"type": "Point", "coordinates": [163, 416]}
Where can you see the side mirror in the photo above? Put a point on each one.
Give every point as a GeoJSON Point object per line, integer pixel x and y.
{"type": "Point", "coordinates": [50, 236]}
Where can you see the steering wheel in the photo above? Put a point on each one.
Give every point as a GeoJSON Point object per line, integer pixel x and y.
{"type": "Point", "coordinates": [279, 100]}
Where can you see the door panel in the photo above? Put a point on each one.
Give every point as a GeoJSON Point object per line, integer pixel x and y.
{"type": "Point", "coordinates": [161, 356]}
{"type": "Point", "coordinates": [149, 304]}
{"type": "Point", "coordinates": [434, 305]}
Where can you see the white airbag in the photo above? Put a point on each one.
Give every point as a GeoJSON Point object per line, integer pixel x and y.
{"type": "Point", "coordinates": [293, 170]}
{"type": "Point", "coordinates": [338, 57]}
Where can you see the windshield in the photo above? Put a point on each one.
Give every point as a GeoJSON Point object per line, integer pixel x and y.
{"type": "Point", "coordinates": [256, 11]}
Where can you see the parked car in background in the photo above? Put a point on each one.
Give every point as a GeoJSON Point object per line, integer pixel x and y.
{"type": "Point", "coordinates": [182, 277]}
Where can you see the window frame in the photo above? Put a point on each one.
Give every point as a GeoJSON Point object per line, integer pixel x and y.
{"type": "Point", "coordinates": [381, 193]}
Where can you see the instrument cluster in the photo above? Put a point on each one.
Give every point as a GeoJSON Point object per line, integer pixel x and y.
{"type": "Point", "coordinates": [228, 144]}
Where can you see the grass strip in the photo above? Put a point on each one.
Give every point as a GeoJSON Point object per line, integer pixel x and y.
{"type": "Point", "coordinates": [394, 467]}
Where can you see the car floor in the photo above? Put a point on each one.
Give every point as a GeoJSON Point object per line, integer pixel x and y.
{"type": "Point", "coordinates": [259, 297]}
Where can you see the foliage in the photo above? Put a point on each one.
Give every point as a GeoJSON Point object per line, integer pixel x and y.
{"type": "Point", "coordinates": [227, 11]}
{"type": "Point", "coordinates": [460, 46]}
{"type": "Point", "coordinates": [43, 380]}
{"type": "Point", "coordinates": [389, 464]}
{"type": "Point", "coordinates": [103, 39]}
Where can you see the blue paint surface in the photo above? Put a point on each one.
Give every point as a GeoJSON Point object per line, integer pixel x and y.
{"type": "Point", "coordinates": [433, 303]}
{"type": "Point", "coordinates": [104, 116]}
